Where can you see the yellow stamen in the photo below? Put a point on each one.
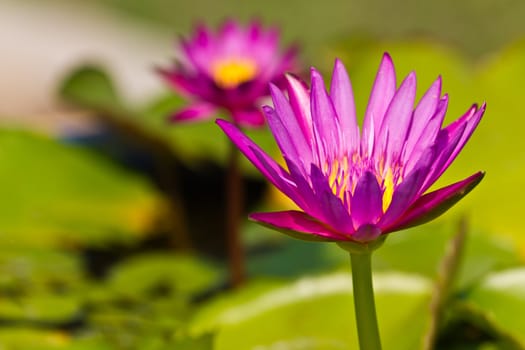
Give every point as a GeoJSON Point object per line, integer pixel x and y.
{"type": "Point", "coordinates": [389, 189]}
{"type": "Point", "coordinates": [338, 176]}
{"type": "Point", "coordinates": [230, 72]}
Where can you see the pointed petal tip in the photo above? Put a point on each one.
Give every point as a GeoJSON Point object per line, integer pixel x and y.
{"type": "Point", "coordinates": [339, 68]}
{"type": "Point", "coordinates": [411, 78]}
{"type": "Point", "coordinates": [386, 60]}
{"type": "Point", "coordinates": [314, 74]}
{"type": "Point", "coordinates": [338, 63]}
{"type": "Point", "coordinates": [298, 225]}
{"type": "Point", "coordinates": [439, 81]}
{"type": "Point", "coordinates": [273, 88]}
{"type": "Point", "coordinates": [434, 204]}
{"type": "Point", "coordinates": [277, 94]}
{"type": "Point", "coordinates": [479, 175]}
{"type": "Point", "coordinates": [222, 123]}
{"type": "Point", "coordinates": [317, 81]}
{"type": "Point", "coordinates": [387, 66]}
{"type": "Point", "coordinates": [267, 110]}
{"type": "Point", "coordinates": [483, 107]}
{"type": "Point", "coordinates": [292, 79]}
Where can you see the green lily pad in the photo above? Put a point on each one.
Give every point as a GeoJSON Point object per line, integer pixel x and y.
{"type": "Point", "coordinates": [26, 338]}
{"type": "Point", "coordinates": [34, 269]}
{"type": "Point", "coordinates": [157, 275]}
{"type": "Point", "coordinates": [38, 285]}
{"type": "Point", "coordinates": [58, 195]}
{"type": "Point", "coordinates": [315, 311]}
{"type": "Point", "coordinates": [39, 307]}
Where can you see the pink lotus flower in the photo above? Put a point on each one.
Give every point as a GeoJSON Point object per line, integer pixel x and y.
{"type": "Point", "coordinates": [230, 69]}
{"type": "Point", "coordinates": [352, 185]}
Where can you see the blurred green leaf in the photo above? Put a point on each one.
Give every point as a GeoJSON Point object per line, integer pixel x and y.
{"type": "Point", "coordinates": [149, 299]}
{"type": "Point", "coordinates": [420, 250]}
{"type": "Point", "coordinates": [158, 275]}
{"type": "Point", "coordinates": [316, 312]}
{"type": "Point", "coordinates": [90, 86]}
{"type": "Point", "coordinates": [62, 195]}
{"type": "Point", "coordinates": [203, 342]}
{"type": "Point", "coordinates": [38, 285]}
{"type": "Point", "coordinates": [147, 324]}
{"type": "Point", "coordinates": [499, 301]}
{"type": "Point", "coordinates": [25, 338]}
{"type": "Point", "coordinates": [37, 269]}
{"type": "Point", "coordinates": [40, 307]}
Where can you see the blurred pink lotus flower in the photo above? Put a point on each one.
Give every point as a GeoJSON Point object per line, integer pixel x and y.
{"type": "Point", "coordinates": [229, 70]}
{"type": "Point", "coordinates": [357, 185]}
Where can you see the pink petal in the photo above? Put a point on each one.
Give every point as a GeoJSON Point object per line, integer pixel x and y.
{"type": "Point", "coordinates": [197, 111]}
{"type": "Point", "coordinates": [331, 208]}
{"type": "Point", "coordinates": [291, 125]}
{"type": "Point", "coordinates": [406, 193]}
{"type": "Point", "coordinates": [249, 117]}
{"type": "Point", "coordinates": [300, 102]}
{"type": "Point", "coordinates": [366, 202]}
{"type": "Point", "coordinates": [433, 204]}
{"type": "Point", "coordinates": [178, 81]}
{"type": "Point", "coordinates": [298, 225]}
{"type": "Point", "coordinates": [468, 122]}
{"type": "Point", "coordinates": [290, 150]}
{"type": "Point", "coordinates": [393, 131]}
{"type": "Point", "coordinates": [324, 119]}
{"type": "Point", "coordinates": [424, 112]}
{"type": "Point", "coordinates": [343, 100]}
{"type": "Point", "coordinates": [382, 93]}
{"type": "Point", "coordinates": [425, 137]}
{"type": "Point", "coordinates": [453, 138]}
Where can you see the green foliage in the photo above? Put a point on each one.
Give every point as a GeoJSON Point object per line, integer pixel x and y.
{"type": "Point", "coordinates": [163, 274]}
{"type": "Point", "coordinates": [314, 313]}
{"type": "Point", "coordinates": [63, 197]}
{"type": "Point", "coordinates": [26, 338]}
{"type": "Point", "coordinates": [497, 301]}
{"type": "Point", "coordinates": [58, 195]}
{"type": "Point", "coordinates": [90, 86]}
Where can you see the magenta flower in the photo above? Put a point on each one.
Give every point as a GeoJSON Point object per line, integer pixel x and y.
{"type": "Point", "coordinates": [352, 185]}
{"type": "Point", "coordinates": [230, 69]}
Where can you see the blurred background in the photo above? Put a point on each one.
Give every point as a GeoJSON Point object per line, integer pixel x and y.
{"type": "Point", "coordinates": [112, 223]}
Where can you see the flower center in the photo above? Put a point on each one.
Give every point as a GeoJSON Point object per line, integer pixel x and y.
{"type": "Point", "coordinates": [230, 72]}
{"type": "Point", "coordinates": [344, 173]}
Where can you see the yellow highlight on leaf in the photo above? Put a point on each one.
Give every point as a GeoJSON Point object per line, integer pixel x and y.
{"type": "Point", "coordinates": [229, 73]}
{"type": "Point", "coordinates": [59, 339]}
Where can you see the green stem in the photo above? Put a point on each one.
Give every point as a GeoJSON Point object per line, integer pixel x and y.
{"type": "Point", "coordinates": [365, 310]}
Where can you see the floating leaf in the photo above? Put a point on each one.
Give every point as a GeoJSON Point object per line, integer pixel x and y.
{"type": "Point", "coordinates": [62, 195]}
{"type": "Point", "coordinates": [25, 338]}
{"type": "Point", "coordinates": [168, 275]}
{"type": "Point", "coordinates": [315, 311]}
